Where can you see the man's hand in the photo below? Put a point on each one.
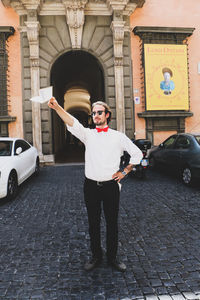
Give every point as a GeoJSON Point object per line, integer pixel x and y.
{"type": "Point", "coordinates": [53, 103]}
{"type": "Point", "coordinates": [118, 176]}
{"type": "Point", "coordinates": [65, 116]}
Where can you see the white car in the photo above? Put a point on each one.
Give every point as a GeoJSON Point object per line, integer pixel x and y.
{"type": "Point", "coordinates": [18, 161]}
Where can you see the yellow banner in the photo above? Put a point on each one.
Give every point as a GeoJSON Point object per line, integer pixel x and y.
{"type": "Point", "coordinates": [166, 77]}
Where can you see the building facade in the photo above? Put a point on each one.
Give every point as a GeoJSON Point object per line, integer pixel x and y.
{"type": "Point", "coordinates": [74, 45]}
{"type": "Point", "coordinates": [168, 37]}
{"type": "Point", "coordinates": [11, 112]}
{"type": "Point", "coordinates": [118, 51]}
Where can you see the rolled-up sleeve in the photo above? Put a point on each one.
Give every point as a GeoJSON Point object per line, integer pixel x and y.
{"type": "Point", "coordinates": [78, 130]}
{"type": "Point", "coordinates": [134, 152]}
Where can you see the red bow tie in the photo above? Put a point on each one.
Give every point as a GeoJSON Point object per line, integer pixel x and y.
{"type": "Point", "coordinates": [102, 129]}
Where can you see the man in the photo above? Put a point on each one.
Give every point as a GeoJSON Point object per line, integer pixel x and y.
{"type": "Point", "coordinates": [103, 149]}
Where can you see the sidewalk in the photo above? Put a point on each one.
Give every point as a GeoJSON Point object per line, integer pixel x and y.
{"type": "Point", "coordinates": [45, 242]}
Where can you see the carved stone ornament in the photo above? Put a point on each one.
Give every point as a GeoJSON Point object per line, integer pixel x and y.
{"type": "Point", "coordinates": [118, 39]}
{"type": "Point", "coordinates": [75, 4]}
{"type": "Point", "coordinates": [33, 38]}
{"type": "Point", "coordinates": [34, 63]}
{"type": "Point", "coordinates": [98, 1]}
{"type": "Point", "coordinates": [117, 5]}
{"type": "Point", "coordinates": [75, 19]}
{"type": "Point", "coordinates": [32, 30]}
{"type": "Point", "coordinates": [118, 30]}
{"type": "Point", "coordinates": [30, 4]}
{"type": "Point", "coordinates": [118, 61]}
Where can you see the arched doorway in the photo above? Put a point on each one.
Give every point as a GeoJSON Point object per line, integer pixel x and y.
{"type": "Point", "coordinates": [78, 80]}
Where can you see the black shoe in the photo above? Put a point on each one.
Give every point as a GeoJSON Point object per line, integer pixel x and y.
{"type": "Point", "coordinates": [93, 263]}
{"type": "Point", "coordinates": [119, 266]}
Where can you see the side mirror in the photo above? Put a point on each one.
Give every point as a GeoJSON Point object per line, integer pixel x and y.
{"type": "Point", "coordinates": [19, 150]}
{"type": "Point", "coordinates": [161, 146]}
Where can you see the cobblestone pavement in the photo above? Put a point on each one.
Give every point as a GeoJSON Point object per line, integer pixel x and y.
{"type": "Point", "coordinates": [44, 241]}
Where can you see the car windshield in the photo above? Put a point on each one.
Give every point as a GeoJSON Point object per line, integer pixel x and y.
{"type": "Point", "coordinates": [5, 148]}
{"type": "Point", "coordinates": [198, 139]}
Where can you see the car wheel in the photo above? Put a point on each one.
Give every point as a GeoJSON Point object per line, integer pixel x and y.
{"type": "Point", "coordinates": [37, 167]}
{"type": "Point", "coordinates": [12, 188]}
{"type": "Point", "coordinates": [186, 176]}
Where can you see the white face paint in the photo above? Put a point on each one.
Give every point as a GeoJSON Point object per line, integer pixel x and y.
{"type": "Point", "coordinates": [167, 76]}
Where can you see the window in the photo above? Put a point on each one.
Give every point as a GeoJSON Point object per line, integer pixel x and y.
{"type": "Point", "coordinates": [198, 139]}
{"type": "Point", "coordinates": [20, 143]}
{"type": "Point", "coordinates": [5, 148]}
{"type": "Point", "coordinates": [3, 75]}
{"type": "Point", "coordinates": [5, 32]}
{"type": "Point", "coordinates": [3, 128]}
{"type": "Point", "coordinates": [168, 144]}
{"type": "Point", "coordinates": [182, 142]}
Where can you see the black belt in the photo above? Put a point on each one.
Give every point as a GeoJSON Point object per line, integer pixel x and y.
{"type": "Point", "coordinates": [100, 183]}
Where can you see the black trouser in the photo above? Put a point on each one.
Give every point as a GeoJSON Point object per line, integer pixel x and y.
{"type": "Point", "coordinates": [108, 194]}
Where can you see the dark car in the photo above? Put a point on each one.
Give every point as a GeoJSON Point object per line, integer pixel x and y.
{"type": "Point", "coordinates": [180, 152]}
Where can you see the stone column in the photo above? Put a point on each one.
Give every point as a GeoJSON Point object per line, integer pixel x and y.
{"type": "Point", "coordinates": [117, 27]}
{"type": "Point", "coordinates": [32, 28]}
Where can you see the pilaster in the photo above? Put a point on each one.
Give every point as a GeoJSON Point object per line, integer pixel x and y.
{"type": "Point", "coordinates": [32, 28]}
{"type": "Point", "coordinates": [117, 27]}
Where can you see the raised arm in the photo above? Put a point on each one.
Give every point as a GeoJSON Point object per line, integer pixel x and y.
{"type": "Point", "coordinates": [65, 116]}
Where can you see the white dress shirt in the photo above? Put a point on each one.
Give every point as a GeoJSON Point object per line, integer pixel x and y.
{"type": "Point", "coordinates": [103, 150]}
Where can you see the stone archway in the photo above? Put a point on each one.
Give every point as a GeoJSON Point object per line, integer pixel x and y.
{"type": "Point", "coordinates": [78, 80]}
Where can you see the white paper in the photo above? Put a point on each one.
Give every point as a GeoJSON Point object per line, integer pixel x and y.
{"type": "Point", "coordinates": [45, 95]}
{"type": "Point", "coordinates": [36, 99]}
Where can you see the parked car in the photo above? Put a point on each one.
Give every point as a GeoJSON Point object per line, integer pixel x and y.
{"type": "Point", "coordinates": [140, 170]}
{"type": "Point", "coordinates": [18, 161]}
{"type": "Point", "coordinates": [180, 152]}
